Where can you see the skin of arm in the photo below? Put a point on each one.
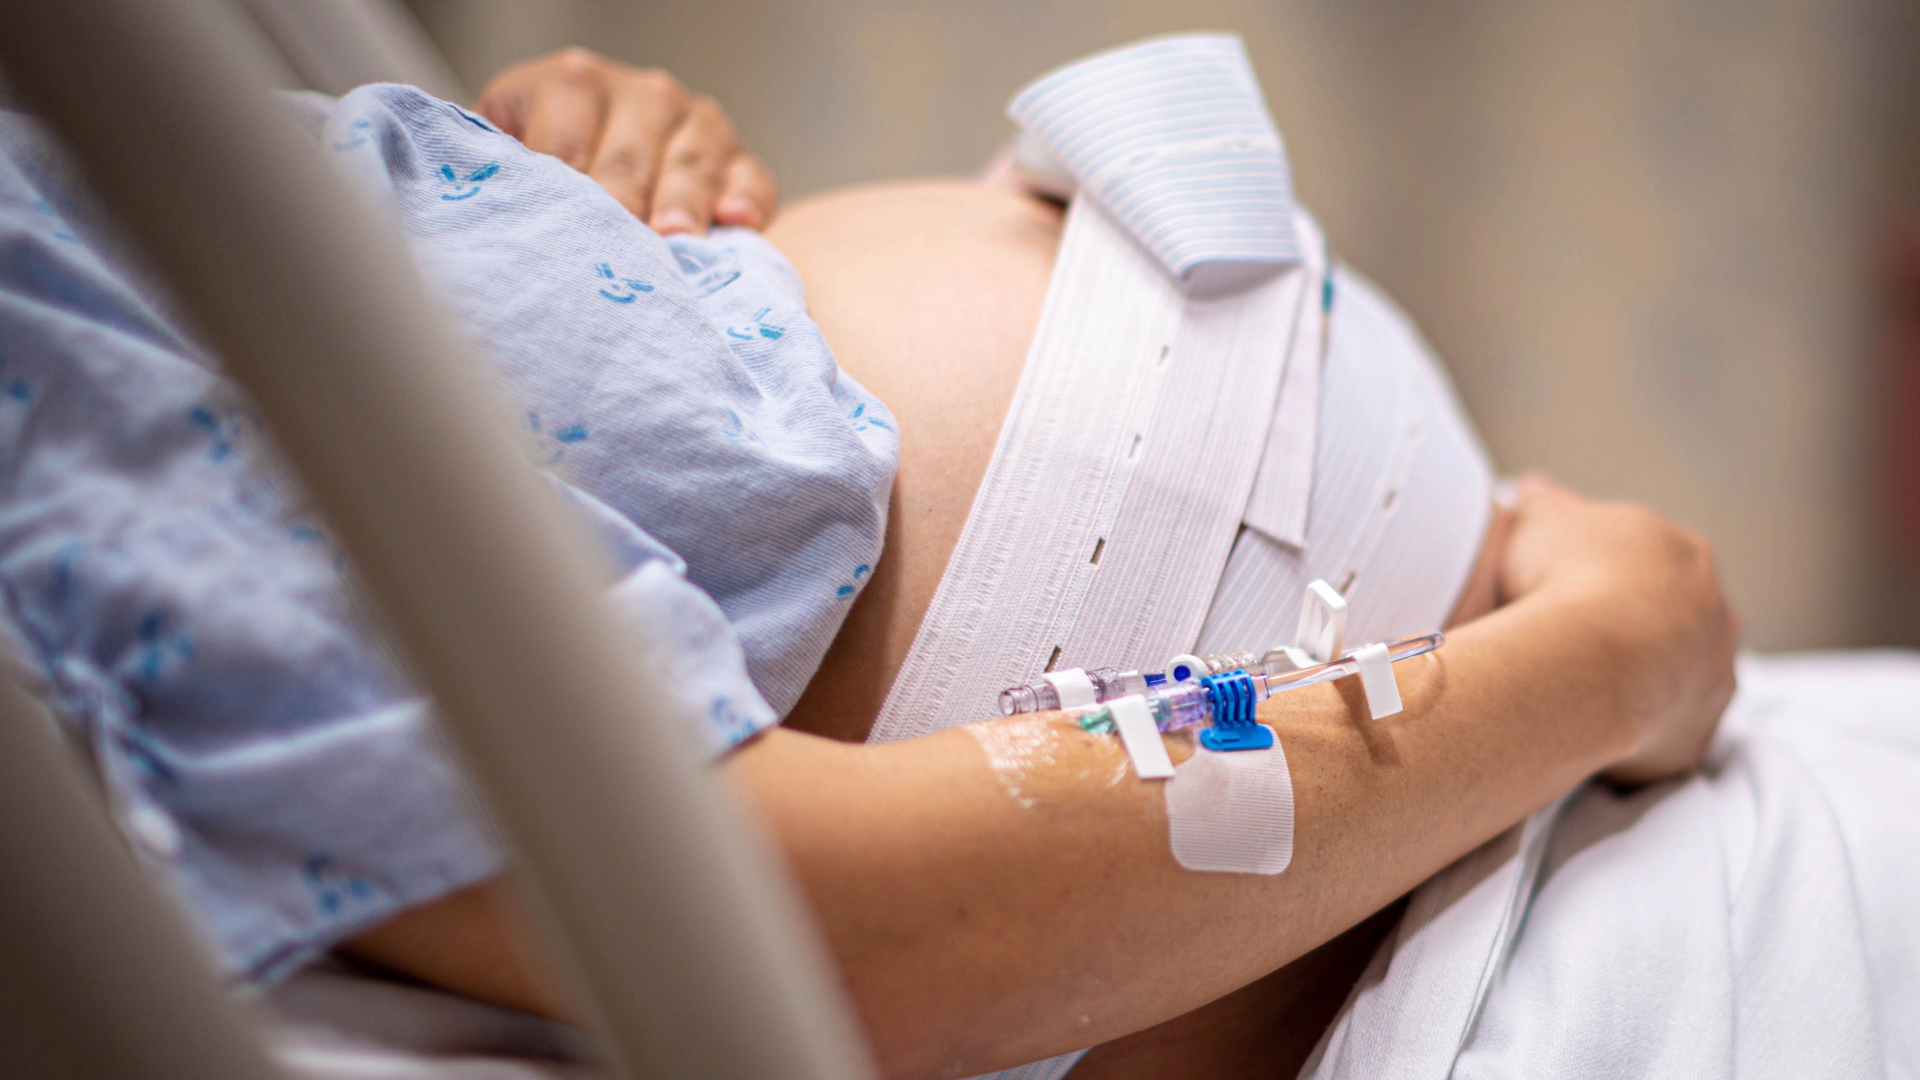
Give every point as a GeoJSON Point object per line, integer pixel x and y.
{"type": "Point", "coordinates": [976, 930]}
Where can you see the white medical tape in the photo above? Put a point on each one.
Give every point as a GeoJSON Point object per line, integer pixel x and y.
{"type": "Point", "coordinates": [1232, 813]}
{"type": "Point", "coordinates": [1378, 680]}
{"type": "Point", "coordinates": [1073, 686]}
{"type": "Point", "coordinates": [1323, 622]}
{"type": "Point", "coordinates": [1141, 737]}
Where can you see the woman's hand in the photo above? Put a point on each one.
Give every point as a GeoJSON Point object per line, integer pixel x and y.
{"type": "Point", "coordinates": [671, 157]}
{"type": "Point", "coordinates": [1651, 588]}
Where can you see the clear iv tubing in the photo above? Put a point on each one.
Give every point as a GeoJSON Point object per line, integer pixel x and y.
{"type": "Point", "coordinates": [1221, 663]}
{"type": "Point", "coordinates": [1182, 705]}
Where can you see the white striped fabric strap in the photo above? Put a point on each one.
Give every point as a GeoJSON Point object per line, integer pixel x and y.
{"type": "Point", "coordinates": [1278, 506]}
{"type": "Point", "coordinates": [1102, 526]}
{"type": "Point", "coordinates": [1172, 135]}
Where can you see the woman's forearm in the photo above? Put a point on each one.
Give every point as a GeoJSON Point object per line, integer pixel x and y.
{"type": "Point", "coordinates": [982, 919]}
{"type": "Point", "coordinates": [980, 923]}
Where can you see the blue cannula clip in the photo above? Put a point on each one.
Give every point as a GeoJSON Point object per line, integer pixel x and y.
{"type": "Point", "coordinates": [1232, 697]}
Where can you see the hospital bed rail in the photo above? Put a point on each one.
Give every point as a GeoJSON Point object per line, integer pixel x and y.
{"type": "Point", "coordinates": [689, 947]}
{"type": "Point", "coordinates": [97, 977]}
{"type": "Point", "coordinates": [335, 45]}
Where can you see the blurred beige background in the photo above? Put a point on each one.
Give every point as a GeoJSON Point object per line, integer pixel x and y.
{"type": "Point", "coordinates": [1639, 231]}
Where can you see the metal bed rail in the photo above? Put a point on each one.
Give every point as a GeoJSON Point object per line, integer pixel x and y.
{"type": "Point", "coordinates": [691, 947]}
{"type": "Point", "coordinates": [97, 977]}
{"type": "Point", "coordinates": [335, 45]}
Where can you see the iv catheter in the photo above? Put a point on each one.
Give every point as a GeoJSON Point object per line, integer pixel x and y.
{"type": "Point", "coordinates": [1276, 670]}
{"type": "Point", "coordinates": [1225, 701]}
{"type": "Point", "coordinates": [1044, 695]}
{"type": "Point", "coordinates": [1281, 675]}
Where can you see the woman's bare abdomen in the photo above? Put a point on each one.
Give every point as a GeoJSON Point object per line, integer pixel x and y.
{"type": "Point", "coordinates": [928, 293]}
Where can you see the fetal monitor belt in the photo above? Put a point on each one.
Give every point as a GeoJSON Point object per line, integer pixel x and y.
{"type": "Point", "coordinates": [1146, 426]}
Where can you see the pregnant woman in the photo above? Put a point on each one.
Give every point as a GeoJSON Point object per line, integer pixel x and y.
{"type": "Point", "coordinates": [975, 933]}
{"type": "Point", "coordinates": [994, 894]}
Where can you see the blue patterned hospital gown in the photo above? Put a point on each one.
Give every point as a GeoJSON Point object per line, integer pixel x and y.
{"type": "Point", "coordinates": [190, 617]}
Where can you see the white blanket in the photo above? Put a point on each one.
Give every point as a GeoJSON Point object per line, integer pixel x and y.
{"type": "Point", "coordinates": [1760, 918]}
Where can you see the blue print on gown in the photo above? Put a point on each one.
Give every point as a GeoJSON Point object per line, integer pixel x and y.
{"type": "Point", "coordinates": [467, 186]}
{"type": "Point", "coordinates": [620, 290]}
{"type": "Point", "coordinates": [357, 133]}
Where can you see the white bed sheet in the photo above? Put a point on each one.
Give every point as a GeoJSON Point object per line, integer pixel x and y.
{"type": "Point", "coordinates": [1760, 918]}
{"type": "Point", "coordinates": [332, 1022]}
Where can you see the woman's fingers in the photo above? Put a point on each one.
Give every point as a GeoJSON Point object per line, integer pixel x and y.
{"type": "Point", "coordinates": [504, 100]}
{"type": "Point", "coordinates": [1652, 588]}
{"type": "Point", "coordinates": [646, 109]}
{"type": "Point", "coordinates": [1540, 512]}
{"type": "Point", "coordinates": [750, 197]}
{"type": "Point", "coordinates": [695, 170]}
{"type": "Point", "coordinates": [672, 159]}
{"type": "Point", "coordinates": [566, 106]}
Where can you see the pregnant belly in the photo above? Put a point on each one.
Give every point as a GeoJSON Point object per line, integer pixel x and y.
{"type": "Point", "coordinates": [928, 293]}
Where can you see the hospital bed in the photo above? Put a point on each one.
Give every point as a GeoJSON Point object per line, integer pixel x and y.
{"type": "Point", "coordinates": [687, 945]}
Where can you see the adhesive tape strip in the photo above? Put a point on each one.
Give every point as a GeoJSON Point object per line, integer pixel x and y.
{"type": "Point", "coordinates": [1073, 686]}
{"type": "Point", "coordinates": [1232, 813]}
{"type": "Point", "coordinates": [1141, 737]}
{"type": "Point", "coordinates": [1378, 680]}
